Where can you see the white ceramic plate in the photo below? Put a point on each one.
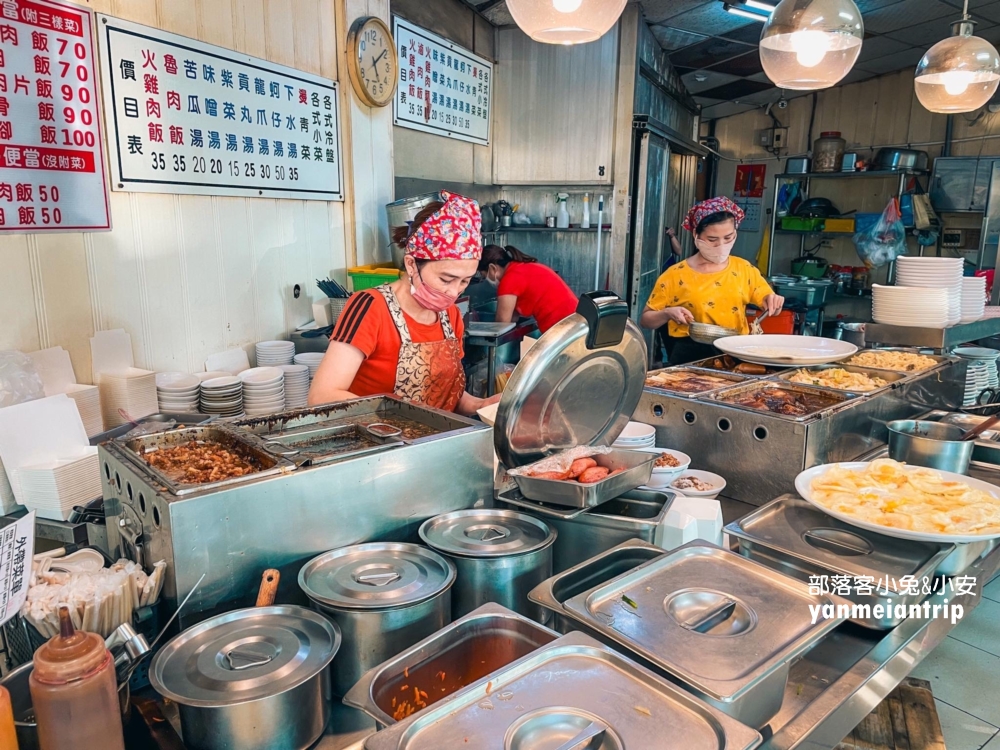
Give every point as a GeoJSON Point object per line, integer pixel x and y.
{"type": "Point", "coordinates": [779, 349]}
{"type": "Point", "coordinates": [717, 482]}
{"type": "Point", "coordinates": [803, 485]}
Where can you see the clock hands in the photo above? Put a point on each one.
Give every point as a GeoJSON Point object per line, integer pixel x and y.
{"type": "Point", "coordinates": [376, 59]}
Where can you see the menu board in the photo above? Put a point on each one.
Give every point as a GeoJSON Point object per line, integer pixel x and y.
{"type": "Point", "coordinates": [443, 88]}
{"type": "Point", "coordinates": [51, 157]}
{"type": "Point", "coordinates": [187, 117]}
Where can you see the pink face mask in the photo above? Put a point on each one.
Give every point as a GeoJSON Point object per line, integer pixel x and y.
{"type": "Point", "coordinates": [714, 253]}
{"type": "Point", "coordinates": [428, 297]}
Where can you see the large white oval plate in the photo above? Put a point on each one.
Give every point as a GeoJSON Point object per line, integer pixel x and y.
{"type": "Point", "coordinates": [782, 349]}
{"type": "Point", "coordinates": [803, 485]}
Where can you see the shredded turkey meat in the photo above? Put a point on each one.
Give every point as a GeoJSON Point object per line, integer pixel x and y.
{"type": "Point", "coordinates": [199, 463]}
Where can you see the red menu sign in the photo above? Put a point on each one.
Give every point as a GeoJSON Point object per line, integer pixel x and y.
{"type": "Point", "coordinates": [51, 157]}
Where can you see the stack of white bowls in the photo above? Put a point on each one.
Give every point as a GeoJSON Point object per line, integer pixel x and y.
{"type": "Point", "coordinates": [982, 371]}
{"type": "Point", "coordinates": [222, 396]}
{"type": "Point", "coordinates": [263, 390]}
{"type": "Point", "coordinates": [934, 273]}
{"type": "Point", "coordinates": [177, 392]}
{"type": "Point", "coordinates": [310, 360]}
{"type": "Point", "coordinates": [910, 306]}
{"type": "Point", "coordinates": [636, 436]}
{"type": "Point", "coordinates": [296, 386]}
{"type": "Point", "coordinates": [973, 298]}
{"type": "Point", "coordinates": [275, 353]}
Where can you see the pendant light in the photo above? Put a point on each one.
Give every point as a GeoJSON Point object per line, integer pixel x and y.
{"type": "Point", "coordinates": [960, 73]}
{"type": "Point", "coordinates": [565, 21]}
{"type": "Point", "coordinates": [811, 44]}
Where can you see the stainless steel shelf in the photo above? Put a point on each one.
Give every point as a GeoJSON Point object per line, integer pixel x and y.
{"type": "Point", "coordinates": [932, 338]}
{"type": "Point", "coordinates": [850, 175]}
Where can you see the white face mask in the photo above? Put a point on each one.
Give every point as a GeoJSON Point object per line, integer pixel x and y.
{"type": "Point", "coordinates": [714, 253]}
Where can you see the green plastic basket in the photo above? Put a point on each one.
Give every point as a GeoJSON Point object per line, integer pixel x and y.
{"type": "Point", "coordinates": [371, 276]}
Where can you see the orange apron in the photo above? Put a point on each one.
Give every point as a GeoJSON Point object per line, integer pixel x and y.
{"type": "Point", "coordinates": [431, 373]}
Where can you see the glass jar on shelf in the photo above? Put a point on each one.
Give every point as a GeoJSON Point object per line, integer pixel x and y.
{"type": "Point", "coordinates": [828, 152]}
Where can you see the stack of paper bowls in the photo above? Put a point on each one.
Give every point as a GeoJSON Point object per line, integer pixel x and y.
{"type": "Point", "coordinates": [52, 489]}
{"type": "Point", "coordinates": [910, 306]}
{"type": "Point", "coordinates": [636, 436]}
{"type": "Point", "coordinates": [982, 372]}
{"type": "Point", "coordinates": [310, 360]}
{"type": "Point", "coordinates": [275, 353]}
{"type": "Point", "coordinates": [296, 386]}
{"type": "Point", "coordinates": [88, 403]}
{"type": "Point", "coordinates": [222, 396]}
{"type": "Point", "coordinates": [127, 394]}
{"type": "Point", "coordinates": [177, 392]}
{"type": "Point", "coordinates": [263, 390]}
{"type": "Point", "coordinates": [973, 298]}
{"type": "Point", "coordinates": [934, 273]}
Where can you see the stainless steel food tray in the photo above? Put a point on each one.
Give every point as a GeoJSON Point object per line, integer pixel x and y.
{"type": "Point", "coordinates": [470, 649]}
{"type": "Point", "coordinates": [561, 695]}
{"type": "Point", "coordinates": [940, 359]}
{"type": "Point", "coordinates": [335, 442]}
{"type": "Point", "coordinates": [840, 399]}
{"type": "Point", "coordinates": [731, 379]}
{"type": "Point", "coordinates": [638, 467]}
{"type": "Point", "coordinates": [891, 377]}
{"type": "Point", "coordinates": [706, 364]}
{"type": "Point", "coordinates": [247, 446]}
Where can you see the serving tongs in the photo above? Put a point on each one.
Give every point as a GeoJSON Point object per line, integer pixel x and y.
{"type": "Point", "coordinates": [756, 329]}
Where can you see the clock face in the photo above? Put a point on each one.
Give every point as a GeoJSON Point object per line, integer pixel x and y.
{"type": "Point", "coordinates": [376, 62]}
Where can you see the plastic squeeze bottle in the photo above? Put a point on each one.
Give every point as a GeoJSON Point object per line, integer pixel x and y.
{"type": "Point", "coordinates": [585, 224]}
{"type": "Point", "coordinates": [8, 737]}
{"type": "Point", "coordinates": [74, 692]}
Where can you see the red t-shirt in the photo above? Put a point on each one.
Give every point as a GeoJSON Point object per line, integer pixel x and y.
{"type": "Point", "coordinates": [367, 325]}
{"type": "Point", "coordinates": [541, 293]}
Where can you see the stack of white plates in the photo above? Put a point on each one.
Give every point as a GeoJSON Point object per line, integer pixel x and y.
{"type": "Point", "coordinates": [177, 392]}
{"type": "Point", "coordinates": [934, 273]}
{"type": "Point", "coordinates": [52, 489]}
{"type": "Point", "coordinates": [263, 390]}
{"type": "Point", "coordinates": [275, 353]}
{"type": "Point", "coordinates": [88, 402]}
{"type": "Point", "coordinates": [311, 360]}
{"type": "Point", "coordinates": [222, 396]}
{"type": "Point", "coordinates": [973, 298]}
{"type": "Point", "coordinates": [910, 306]}
{"type": "Point", "coordinates": [636, 436]}
{"type": "Point", "coordinates": [211, 375]}
{"type": "Point", "coordinates": [130, 392]}
{"type": "Point", "coordinates": [296, 386]}
{"type": "Point", "coordinates": [982, 371]}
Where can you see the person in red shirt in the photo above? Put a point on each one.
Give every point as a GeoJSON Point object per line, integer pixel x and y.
{"type": "Point", "coordinates": [526, 287]}
{"type": "Point", "coordinates": [406, 337]}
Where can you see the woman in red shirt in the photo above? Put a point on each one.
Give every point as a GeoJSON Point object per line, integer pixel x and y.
{"type": "Point", "coordinates": [406, 337]}
{"type": "Point", "coordinates": [526, 287]}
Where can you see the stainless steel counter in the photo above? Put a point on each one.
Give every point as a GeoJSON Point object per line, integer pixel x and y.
{"type": "Point", "coordinates": [933, 338]}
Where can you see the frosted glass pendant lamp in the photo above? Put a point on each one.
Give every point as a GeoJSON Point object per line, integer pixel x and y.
{"type": "Point", "coordinates": [565, 21]}
{"type": "Point", "coordinates": [960, 73]}
{"type": "Point", "coordinates": [811, 44]}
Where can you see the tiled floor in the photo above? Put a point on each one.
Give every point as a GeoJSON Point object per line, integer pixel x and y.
{"type": "Point", "coordinates": [964, 673]}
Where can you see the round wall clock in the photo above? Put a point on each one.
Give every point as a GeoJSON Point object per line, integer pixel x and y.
{"type": "Point", "coordinates": [372, 61]}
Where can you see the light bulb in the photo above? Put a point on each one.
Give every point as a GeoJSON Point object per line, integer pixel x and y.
{"type": "Point", "coordinates": [810, 47]}
{"type": "Point", "coordinates": [956, 81]}
{"type": "Point", "coordinates": [567, 6]}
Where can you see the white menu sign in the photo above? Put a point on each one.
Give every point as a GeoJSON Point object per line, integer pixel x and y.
{"type": "Point", "coordinates": [17, 549]}
{"type": "Point", "coordinates": [443, 88]}
{"type": "Point", "coordinates": [51, 149]}
{"type": "Point", "coordinates": [187, 117]}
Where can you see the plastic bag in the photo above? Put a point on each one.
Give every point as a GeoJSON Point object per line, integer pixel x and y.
{"type": "Point", "coordinates": [560, 462]}
{"type": "Point", "coordinates": [884, 242]}
{"type": "Point", "coordinates": [19, 382]}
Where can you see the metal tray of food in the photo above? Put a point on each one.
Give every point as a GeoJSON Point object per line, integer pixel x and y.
{"type": "Point", "coordinates": [729, 363]}
{"type": "Point", "coordinates": [468, 650]}
{"type": "Point", "coordinates": [938, 358]}
{"type": "Point", "coordinates": [637, 465]}
{"type": "Point", "coordinates": [334, 442]}
{"type": "Point", "coordinates": [264, 463]}
{"type": "Point", "coordinates": [797, 539]}
{"type": "Point", "coordinates": [824, 400]}
{"type": "Point", "coordinates": [573, 693]}
{"type": "Point", "coordinates": [890, 377]}
{"type": "Point", "coordinates": [693, 382]}
{"type": "Point", "coordinates": [153, 422]}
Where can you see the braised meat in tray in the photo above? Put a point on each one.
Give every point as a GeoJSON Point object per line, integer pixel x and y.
{"type": "Point", "coordinates": [778, 400]}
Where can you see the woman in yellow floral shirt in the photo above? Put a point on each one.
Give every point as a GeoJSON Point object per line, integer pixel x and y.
{"type": "Point", "coordinates": [709, 287]}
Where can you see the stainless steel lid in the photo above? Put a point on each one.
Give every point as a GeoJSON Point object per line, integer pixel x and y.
{"type": "Point", "coordinates": [798, 529]}
{"type": "Point", "coordinates": [380, 575]}
{"type": "Point", "coordinates": [486, 533]}
{"type": "Point", "coordinates": [715, 620]}
{"type": "Point", "coordinates": [244, 655]}
{"type": "Point", "coordinates": [579, 385]}
{"type": "Point", "coordinates": [572, 693]}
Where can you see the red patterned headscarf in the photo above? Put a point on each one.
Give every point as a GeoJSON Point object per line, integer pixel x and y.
{"type": "Point", "coordinates": [452, 233]}
{"type": "Point", "coordinates": [712, 206]}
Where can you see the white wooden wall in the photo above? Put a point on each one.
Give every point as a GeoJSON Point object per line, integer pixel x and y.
{"type": "Point", "coordinates": [190, 275]}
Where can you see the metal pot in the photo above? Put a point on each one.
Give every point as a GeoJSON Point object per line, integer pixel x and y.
{"type": "Point", "coordinates": [251, 679]}
{"type": "Point", "coordinates": [405, 210]}
{"type": "Point", "coordinates": [894, 159]}
{"type": "Point", "coordinates": [500, 556]}
{"type": "Point", "coordinates": [384, 596]}
{"type": "Point", "coordinates": [930, 444]}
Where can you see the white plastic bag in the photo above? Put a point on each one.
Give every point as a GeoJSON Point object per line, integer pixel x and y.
{"type": "Point", "coordinates": [19, 382]}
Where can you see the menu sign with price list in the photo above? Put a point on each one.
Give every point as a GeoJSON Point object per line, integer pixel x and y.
{"type": "Point", "coordinates": [443, 88]}
{"type": "Point", "coordinates": [187, 117]}
{"type": "Point", "coordinates": [17, 549]}
{"type": "Point", "coordinates": [51, 158]}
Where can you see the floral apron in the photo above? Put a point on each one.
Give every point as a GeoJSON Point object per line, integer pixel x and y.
{"type": "Point", "coordinates": [431, 373]}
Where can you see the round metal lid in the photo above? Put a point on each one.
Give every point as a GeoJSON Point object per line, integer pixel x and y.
{"type": "Point", "coordinates": [379, 575]}
{"type": "Point", "coordinates": [244, 655]}
{"type": "Point", "coordinates": [564, 394]}
{"type": "Point", "coordinates": [486, 533]}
